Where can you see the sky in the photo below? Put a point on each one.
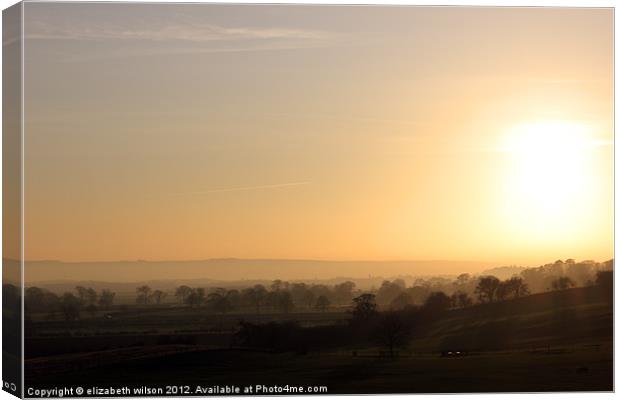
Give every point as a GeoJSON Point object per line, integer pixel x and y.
{"type": "Point", "coordinates": [188, 131]}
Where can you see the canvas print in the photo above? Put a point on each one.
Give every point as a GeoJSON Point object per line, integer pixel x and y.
{"type": "Point", "coordinates": [229, 199]}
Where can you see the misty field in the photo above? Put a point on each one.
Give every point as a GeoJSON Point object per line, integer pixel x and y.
{"type": "Point", "coordinates": [559, 340]}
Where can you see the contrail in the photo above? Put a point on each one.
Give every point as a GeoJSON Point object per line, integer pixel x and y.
{"type": "Point", "coordinates": [243, 188]}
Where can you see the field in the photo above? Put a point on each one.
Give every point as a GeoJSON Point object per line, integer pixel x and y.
{"type": "Point", "coordinates": [565, 370]}
{"type": "Point", "coordinates": [558, 341]}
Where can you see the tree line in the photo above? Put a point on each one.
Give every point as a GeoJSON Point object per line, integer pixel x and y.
{"type": "Point", "coordinates": [389, 328]}
{"type": "Point", "coordinates": [283, 297]}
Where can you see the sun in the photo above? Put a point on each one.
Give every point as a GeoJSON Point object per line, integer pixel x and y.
{"type": "Point", "coordinates": [549, 174]}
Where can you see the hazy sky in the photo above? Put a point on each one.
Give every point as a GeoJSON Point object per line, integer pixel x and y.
{"type": "Point", "coordinates": [168, 132]}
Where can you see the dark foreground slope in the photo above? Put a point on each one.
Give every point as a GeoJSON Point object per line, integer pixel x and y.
{"type": "Point", "coordinates": [548, 342]}
{"type": "Point", "coordinates": [573, 318]}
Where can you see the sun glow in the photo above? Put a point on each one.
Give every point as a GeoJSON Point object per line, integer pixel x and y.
{"type": "Point", "coordinates": [550, 174]}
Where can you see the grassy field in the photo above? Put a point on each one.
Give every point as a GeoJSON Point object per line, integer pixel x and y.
{"type": "Point", "coordinates": [567, 370]}
{"type": "Point", "coordinates": [557, 341]}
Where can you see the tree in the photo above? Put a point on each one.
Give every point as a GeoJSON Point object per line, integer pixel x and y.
{"type": "Point", "coordinates": [255, 296]}
{"type": "Point", "coordinates": [486, 289]}
{"type": "Point", "coordinates": [285, 302]}
{"type": "Point", "coordinates": [91, 296]}
{"type": "Point", "coordinates": [322, 303]}
{"type": "Point", "coordinates": [389, 291]}
{"type": "Point", "coordinates": [157, 296]}
{"type": "Point", "coordinates": [106, 299]}
{"type": "Point", "coordinates": [298, 291]}
{"type": "Point", "coordinates": [462, 279]}
{"type": "Point", "coordinates": [605, 280]}
{"type": "Point", "coordinates": [82, 294]}
{"type": "Point", "coordinates": [34, 299]}
{"type": "Point", "coordinates": [502, 291]}
{"type": "Point", "coordinates": [401, 301]}
{"type": "Point", "coordinates": [343, 292]}
{"type": "Point", "coordinates": [234, 298]}
{"type": "Point", "coordinates": [143, 294]}
{"type": "Point", "coordinates": [196, 297]}
{"type": "Point", "coordinates": [278, 285]}
{"type": "Point", "coordinates": [308, 298]}
{"type": "Point", "coordinates": [364, 307]}
{"type": "Point", "coordinates": [182, 292]}
{"type": "Point", "coordinates": [437, 302]}
{"type": "Point", "coordinates": [516, 287]}
{"type": "Point", "coordinates": [70, 307]}
{"type": "Point", "coordinates": [460, 300]}
{"type": "Point", "coordinates": [392, 331]}
{"type": "Point", "coordinates": [562, 283]}
{"type": "Point", "coordinates": [219, 301]}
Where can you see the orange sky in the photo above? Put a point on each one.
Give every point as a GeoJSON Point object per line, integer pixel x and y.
{"type": "Point", "coordinates": [177, 132]}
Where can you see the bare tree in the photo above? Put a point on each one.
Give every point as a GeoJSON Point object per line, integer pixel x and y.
{"type": "Point", "coordinates": [157, 296]}
{"type": "Point", "coordinates": [401, 301]}
{"type": "Point", "coordinates": [562, 283]}
{"type": "Point", "coordinates": [461, 300]}
{"type": "Point", "coordinates": [143, 294]}
{"type": "Point", "coordinates": [364, 307]}
{"type": "Point", "coordinates": [256, 296]}
{"type": "Point", "coordinates": [392, 331]}
{"type": "Point", "coordinates": [486, 289]}
{"type": "Point", "coordinates": [70, 307]}
{"type": "Point", "coordinates": [106, 298]}
{"type": "Point", "coordinates": [322, 303]}
{"type": "Point", "coordinates": [182, 292]}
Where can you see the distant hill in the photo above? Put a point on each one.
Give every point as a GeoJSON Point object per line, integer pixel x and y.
{"type": "Point", "coordinates": [232, 269]}
{"type": "Point", "coordinates": [503, 272]}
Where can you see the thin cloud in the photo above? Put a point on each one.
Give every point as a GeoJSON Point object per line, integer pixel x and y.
{"type": "Point", "coordinates": [187, 32]}
{"type": "Point", "coordinates": [244, 188]}
{"type": "Point", "coordinates": [132, 53]}
{"type": "Point", "coordinates": [178, 38]}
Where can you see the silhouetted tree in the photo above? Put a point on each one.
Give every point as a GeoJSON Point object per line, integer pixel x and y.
{"type": "Point", "coordinates": [486, 289]}
{"type": "Point", "coordinates": [86, 296]}
{"type": "Point", "coordinates": [460, 300]}
{"type": "Point", "coordinates": [308, 298]}
{"type": "Point", "coordinates": [562, 283]}
{"type": "Point", "coordinates": [106, 299]}
{"type": "Point", "coordinates": [196, 297]}
{"type": "Point", "coordinates": [462, 279]}
{"type": "Point", "coordinates": [389, 291]}
{"type": "Point", "coordinates": [322, 303]}
{"type": "Point", "coordinates": [34, 299]}
{"type": "Point", "coordinates": [605, 281]}
{"type": "Point", "coordinates": [143, 294]}
{"type": "Point", "coordinates": [437, 302]}
{"type": "Point", "coordinates": [285, 302]}
{"type": "Point", "coordinates": [343, 292]}
{"type": "Point", "coordinates": [255, 296]}
{"type": "Point", "coordinates": [81, 294]}
{"type": "Point", "coordinates": [91, 296]}
{"type": "Point", "coordinates": [392, 331]}
{"type": "Point", "coordinates": [516, 287]}
{"type": "Point", "coordinates": [219, 301]}
{"type": "Point", "coordinates": [157, 296]}
{"type": "Point", "coordinates": [401, 301]}
{"type": "Point", "coordinates": [70, 307]}
{"type": "Point", "coordinates": [182, 292]}
{"type": "Point", "coordinates": [364, 307]}
{"type": "Point", "coordinates": [502, 291]}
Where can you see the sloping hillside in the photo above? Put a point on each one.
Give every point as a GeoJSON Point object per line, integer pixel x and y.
{"type": "Point", "coordinates": [575, 317]}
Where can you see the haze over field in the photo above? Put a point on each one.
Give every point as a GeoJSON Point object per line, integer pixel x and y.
{"type": "Point", "coordinates": [195, 132]}
{"type": "Point", "coordinates": [236, 269]}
